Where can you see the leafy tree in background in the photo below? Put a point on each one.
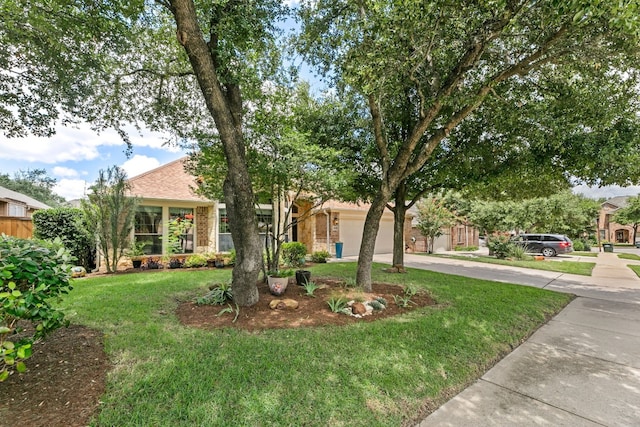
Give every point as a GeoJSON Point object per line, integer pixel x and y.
{"type": "Point", "coordinates": [71, 227]}
{"type": "Point", "coordinates": [433, 217]}
{"type": "Point", "coordinates": [33, 183]}
{"type": "Point", "coordinates": [110, 211]}
{"type": "Point", "coordinates": [630, 214]}
{"type": "Point", "coordinates": [285, 163]}
{"type": "Point", "coordinates": [440, 61]}
{"type": "Point", "coordinates": [562, 213]}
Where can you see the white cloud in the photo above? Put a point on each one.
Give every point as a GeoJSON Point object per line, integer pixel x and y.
{"type": "Point", "coordinates": [65, 172]}
{"type": "Point", "coordinates": [75, 144]}
{"type": "Point", "coordinates": [606, 192]}
{"type": "Point", "coordinates": [139, 164]}
{"type": "Point", "coordinates": [71, 188]}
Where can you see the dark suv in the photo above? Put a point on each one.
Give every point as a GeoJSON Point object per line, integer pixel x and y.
{"type": "Point", "coordinates": [546, 244]}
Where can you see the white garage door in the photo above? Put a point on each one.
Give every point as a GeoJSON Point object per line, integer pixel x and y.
{"type": "Point", "coordinates": [351, 235]}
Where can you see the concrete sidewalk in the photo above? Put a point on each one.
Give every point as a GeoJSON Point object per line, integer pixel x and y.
{"type": "Point", "coordinates": [580, 369]}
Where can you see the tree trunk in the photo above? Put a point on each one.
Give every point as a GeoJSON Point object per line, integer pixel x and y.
{"type": "Point", "coordinates": [399, 213]}
{"type": "Point", "coordinates": [367, 247]}
{"type": "Point", "coordinates": [225, 107]}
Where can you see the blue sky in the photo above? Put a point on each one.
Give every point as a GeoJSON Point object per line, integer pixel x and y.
{"type": "Point", "coordinates": [73, 156]}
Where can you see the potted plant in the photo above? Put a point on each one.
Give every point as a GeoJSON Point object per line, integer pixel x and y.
{"type": "Point", "coordinates": [278, 281]}
{"type": "Point", "coordinates": [136, 253]}
{"type": "Point", "coordinates": [175, 262]}
{"type": "Point", "coordinates": [303, 277]}
{"type": "Point", "coordinates": [153, 263]}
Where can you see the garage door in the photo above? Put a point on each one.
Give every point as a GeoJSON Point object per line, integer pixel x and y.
{"type": "Point", "coordinates": [351, 235]}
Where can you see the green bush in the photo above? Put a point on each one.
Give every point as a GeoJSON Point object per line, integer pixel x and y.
{"type": "Point", "coordinates": [70, 226]}
{"type": "Point", "coordinates": [320, 256]}
{"type": "Point", "coordinates": [293, 253]}
{"type": "Point", "coordinates": [500, 246]}
{"type": "Point", "coordinates": [31, 273]}
{"type": "Point", "coordinates": [518, 252]}
{"type": "Point", "coordinates": [196, 260]}
{"type": "Point", "coordinates": [578, 245]}
{"type": "Point", "coordinates": [218, 295]}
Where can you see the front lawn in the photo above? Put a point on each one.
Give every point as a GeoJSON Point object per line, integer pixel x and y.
{"type": "Point", "coordinates": [629, 256]}
{"type": "Point", "coordinates": [635, 268]}
{"type": "Point", "coordinates": [569, 267]}
{"type": "Point", "coordinates": [385, 373]}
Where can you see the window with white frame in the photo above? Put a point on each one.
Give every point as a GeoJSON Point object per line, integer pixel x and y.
{"type": "Point", "coordinates": [17, 210]}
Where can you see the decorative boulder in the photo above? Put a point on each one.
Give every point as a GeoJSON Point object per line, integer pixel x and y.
{"type": "Point", "coordinates": [78, 271]}
{"type": "Point", "coordinates": [358, 308]}
{"type": "Point", "coordinates": [283, 304]}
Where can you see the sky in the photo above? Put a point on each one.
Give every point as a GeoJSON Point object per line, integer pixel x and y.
{"type": "Point", "coordinates": [74, 156]}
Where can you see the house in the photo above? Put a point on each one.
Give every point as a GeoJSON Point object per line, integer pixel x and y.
{"type": "Point", "coordinates": [459, 235]}
{"type": "Point", "coordinates": [168, 203]}
{"type": "Point", "coordinates": [608, 229]}
{"type": "Point", "coordinates": [15, 213]}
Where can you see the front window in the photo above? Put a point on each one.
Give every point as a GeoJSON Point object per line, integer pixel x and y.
{"type": "Point", "coordinates": [148, 228]}
{"type": "Point", "coordinates": [180, 236]}
{"type": "Point", "coordinates": [225, 242]}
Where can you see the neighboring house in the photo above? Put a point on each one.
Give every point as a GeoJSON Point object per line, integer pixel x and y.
{"type": "Point", "coordinates": [460, 235]}
{"type": "Point", "coordinates": [336, 221]}
{"type": "Point", "coordinates": [167, 199]}
{"type": "Point", "coordinates": [15, 213]}
{"type": "Point", "coordinates": [608, 229]}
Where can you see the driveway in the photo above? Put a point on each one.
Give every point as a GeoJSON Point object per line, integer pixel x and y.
{"type": "Point", "coordinates": [580, 369]}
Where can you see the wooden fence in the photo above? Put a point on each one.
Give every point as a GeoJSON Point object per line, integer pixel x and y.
{"type": "Point", "coordinates": [17, 227]}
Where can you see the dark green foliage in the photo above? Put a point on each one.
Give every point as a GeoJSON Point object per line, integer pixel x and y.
{"type": "Point", "coordinates": [70, 226]}
{"type": "Point", "coordinates": [31, 273]}
{"type": "Point", "coordinates": [33, 183]}
{"type": "Point", "coordinates": [293, 253]}
{"type": "Point", "coordinates": [500, 246]}
{"type": "Point", "coordinates": [218, 295]}
{"type": "Point", "coordinates": [320, 256]}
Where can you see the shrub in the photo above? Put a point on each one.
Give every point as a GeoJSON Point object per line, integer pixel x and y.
{"type": "Point", "coordinates": [70, 226]}
{"type": "Point", "coordinates": [293, 253]}
{"type": "Point", "coordinates": [578, 245]}
{"type": "Point", "coordinates": [196, 260]}
{"type": "Point", "coordinates": [320, 256]}
{"type": "Point", "coordinates": [218, 295]}
{"type": "Point", "coordinates": [31, 273]}
{"type": "Point", "coordinates": [500, 246]}
{"type": "Point", "coordinates": [517, 252]}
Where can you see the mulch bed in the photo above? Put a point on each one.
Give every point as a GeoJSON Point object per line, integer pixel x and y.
{"type": "Point", "coordinates": [62, 387]}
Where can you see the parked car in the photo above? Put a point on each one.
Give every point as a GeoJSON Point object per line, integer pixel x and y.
{"type": "Point", "coordinates": [546, 244]}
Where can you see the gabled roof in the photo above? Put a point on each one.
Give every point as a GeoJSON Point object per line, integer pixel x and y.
{"type": "Point", "coordinates": [169, 182]}
{"type": "Point", "coordinates": [617, 202]}
{"type": "Point", "coordinates": [7, 195]}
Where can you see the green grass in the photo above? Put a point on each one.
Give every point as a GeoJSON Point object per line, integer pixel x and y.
{"type": "Point", "coordinates": [629, 256]}
{"type": "Point", "coordinates": [368, 374]}
{"type": "Point", "coordinates": [635, 268]}
{"type": "Point", "coordinates": [570, 267]}
{"type": "Point", "coordinates": [584, 253]}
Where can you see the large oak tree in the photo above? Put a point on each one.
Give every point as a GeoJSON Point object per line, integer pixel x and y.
{"type": "Point", "coordinates": [446, 58]}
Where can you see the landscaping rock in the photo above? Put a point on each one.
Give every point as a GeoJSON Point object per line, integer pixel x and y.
{"type": "Point", "coordinates": [283, 304]}
{"type": "Point", "coordinates": [358, 308]}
